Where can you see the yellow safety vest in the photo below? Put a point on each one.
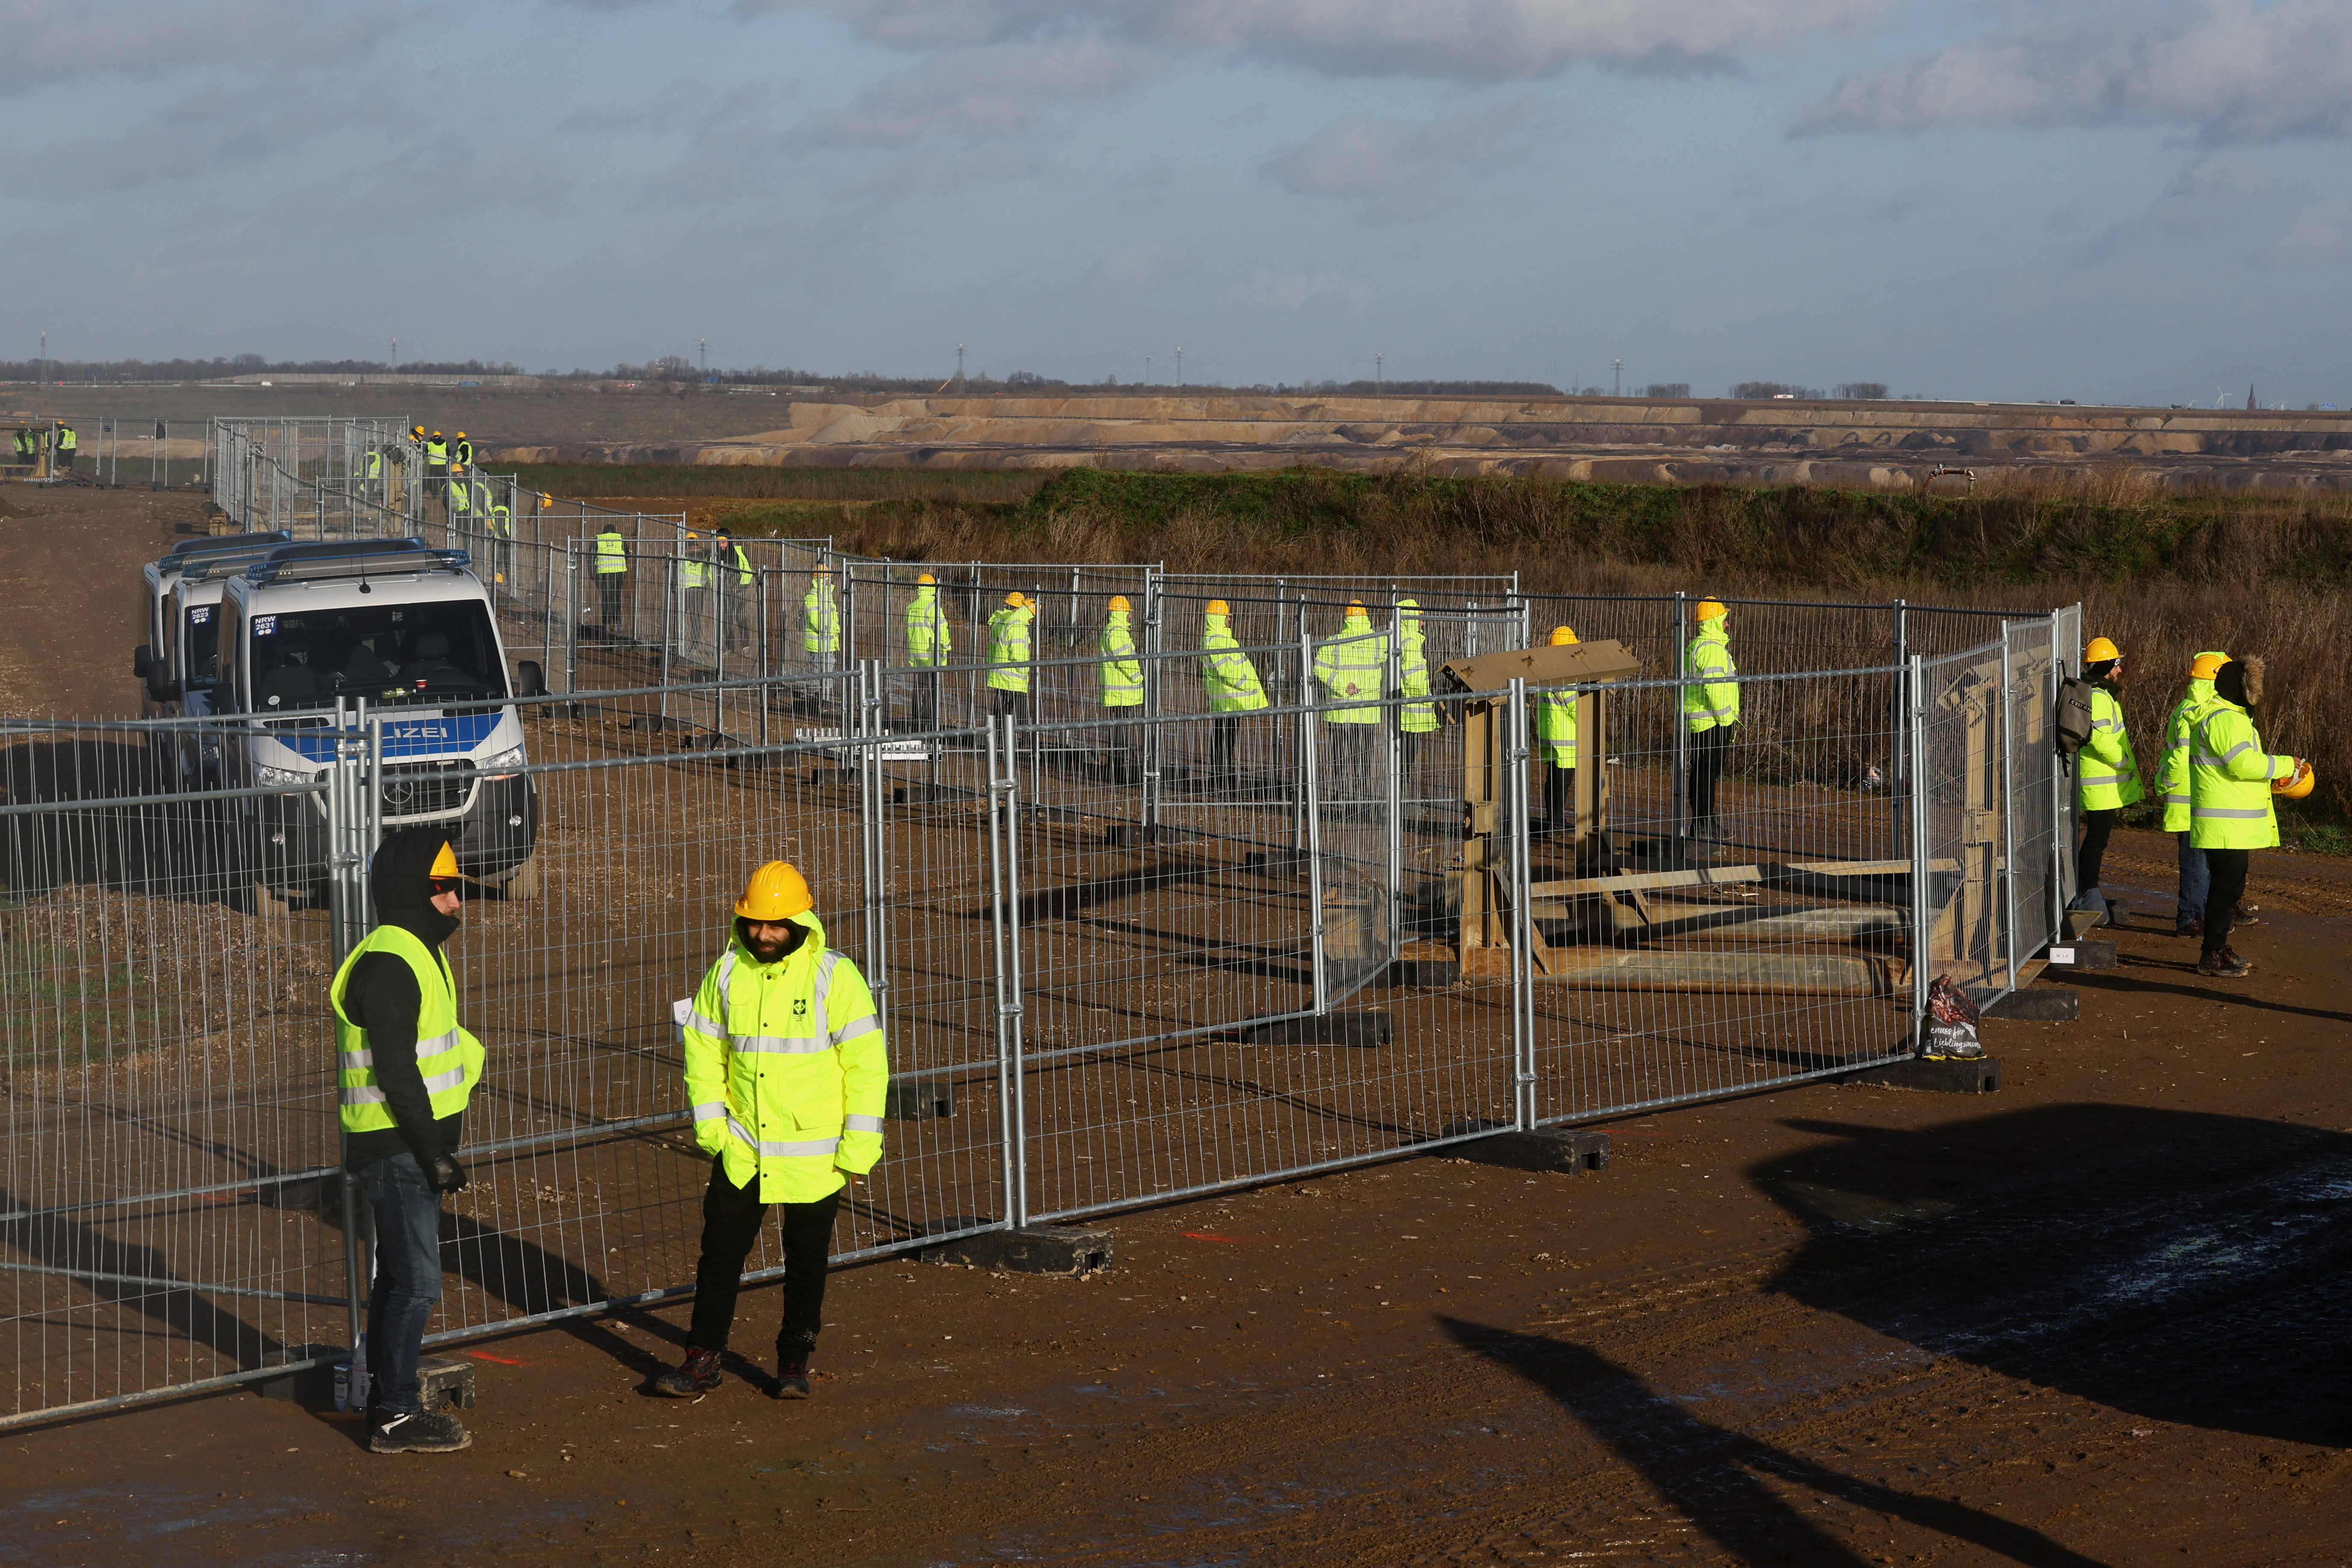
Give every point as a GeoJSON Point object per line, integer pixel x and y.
{"type": "Point", "coordinates": [1556, 727]}
{"type": "Point", "coordinates": [1712, 703]}
{"type": "Point", "coordinates": [2172, 771]}
{"type": "Point", "coordinates": [449, 1059]}
{"type": "Point", "coordinates": [1413, 645]}
{"type": "Point", "coordinates": [928, 639]}
{"type": "Point", "coordinates": [612, 553]}
{"type": "Point", "coordinates": [1122, 672]}
{"type": "Point", "coordinates": [2106, 773]}
{"type": "Point", "coordinates": [2230, 775]}
{"type": "Point", "coordinates": [821, 617]}
{"type": "Point", "coordinates": [1353, 664]}
{"type": "Point", "coordinates": [1008, 648]}
{"type": "Point", "coordinates": [1226, 672]}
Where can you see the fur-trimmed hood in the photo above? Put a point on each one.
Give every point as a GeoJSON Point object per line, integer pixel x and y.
{"type": "Point", "coordinates": [2241, 682]}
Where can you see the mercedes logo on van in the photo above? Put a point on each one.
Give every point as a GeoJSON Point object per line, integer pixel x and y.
{"type": "Point", "coordinates": [398, 794]}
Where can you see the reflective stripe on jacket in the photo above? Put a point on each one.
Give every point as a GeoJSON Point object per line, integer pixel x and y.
{"type": "Point", "coordinates": [786, 1069]}
{"type": "Point", "coordinates": [1122, 672]}
{"type": "Point", "coordinates": [2230, 775]}
{"type": "Point", "coordinates": [2172, 771]}
{"type": "Point", "coordinates": [448, 1057]}
{"type": "Point", "coordinates": [1414, 718]}
{"type": "Point", "coordinates": [1226, 673]}
{"type": "Point", "coordinates": [612, 553]}
{"type": "Point", "coordinates": [1008, 648]}
{"type": "Point", "coordinates": [1710, 703]}
{"type": "Point", "coordinates": [821, 617]}
{"type": "Point", "coordinates": [1556, 727]}
{"type": "Point", "coordinates": [928, 639]}
{"type": "Point", "coordinates": [1353, 664]}
{"type": "Point", "coordinates": [2106, 772]}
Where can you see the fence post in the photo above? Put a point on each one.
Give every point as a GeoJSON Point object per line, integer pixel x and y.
{"type": "Point", "coordinates": [1898, 788]}
{"type": "Point", "coordinates": [2008, 808]}
{"type": "Point", "coordinates": [1004, 883]}
{"type": "Point", "coordinates": [874, 789]}
{"type": "Point", "coordinates": [1311, 824]}
{"type": "Point", "coordinates": [1154, 608]}
{"type": "Point", "coordinates": [1681, 817]}
{"type": "Point", "coordinates": [572, 612]}
{"type": "Point", "coordinates": [1513, 800]}
{"type": "Point", "coordinates": [1392, 839]}
{"type": "Point", "coordinates": [1915, 746]}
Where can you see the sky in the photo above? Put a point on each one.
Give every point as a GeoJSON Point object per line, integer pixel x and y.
{"type": "Point", "coordinates": [2141, 201]}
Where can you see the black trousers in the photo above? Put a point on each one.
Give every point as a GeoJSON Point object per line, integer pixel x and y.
{"type": "Point", "coordinates": [2099, 827]}
{"type": "Point", "coordinates": [2228, 869]}
{"type": "Point", "coordinates": [1707, 750]}
{"type": "Point", "coordinates": [731, 1217]}
{"type": "Point", "coordinates": [1001, 702]}
{"type": "Point", "coordinates": [1559, 800]}
{"type": "Point", "coordinates": [1224, 740]}
{"type": "Point", "coordinates": [608, 603]}
{"type": "Point", "coordinates": [927, 702]}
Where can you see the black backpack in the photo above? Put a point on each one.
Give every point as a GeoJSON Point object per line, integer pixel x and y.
{"type": "Point", "coordinates": [2073, 728]}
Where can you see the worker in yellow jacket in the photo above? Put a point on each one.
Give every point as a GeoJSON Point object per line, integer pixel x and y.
{"type": "Point", "coordinates": [2107, 773]}
{"type": "Point", "coordinates": [2231, 781]}
{"type": "Point", "coordinates": [785, 1073]}
{"type": "Point", "coordinates": [2172, 789]}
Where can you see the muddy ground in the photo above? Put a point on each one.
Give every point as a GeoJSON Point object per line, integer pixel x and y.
{"type": "Point", "coordinates": [2100, 1317]}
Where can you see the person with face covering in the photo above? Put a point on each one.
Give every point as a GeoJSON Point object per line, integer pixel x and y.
{"type": "Point", "coordinates": [785, 1071]}
{"type": "Point", "coordinates": [2230, 781]}
{"type": "Point", "coordinates": [405, 1069]}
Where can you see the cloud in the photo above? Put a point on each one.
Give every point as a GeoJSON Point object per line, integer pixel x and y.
{"type": "Point", "coordinates": [1297, 291]}
{"type": "Point", "coordinates": [984, 94]}
{"type": "Point", "coordinates": [44, 42]}
{"type": "Point", "coordinates": [199, 133]}
{"type": "Point", "coordinates": [2318, 235]}
{"type": "Point", "coordinates": [2227, 71]}
{"type": "Point", "coordinates": [1405, 170]}
{"type": "Point", "coordinates": [1140, 268]}
{"type": "Point", "coordinates": [1454, 40]}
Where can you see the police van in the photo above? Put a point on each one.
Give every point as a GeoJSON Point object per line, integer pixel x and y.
{"type": "Point", "coordinates": [151, 661]}
{"type": "Point", "coordinates": [407, 631]}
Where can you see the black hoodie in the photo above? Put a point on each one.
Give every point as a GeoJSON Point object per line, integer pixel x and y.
{"type": "Point", "coordinates": [382, 998]}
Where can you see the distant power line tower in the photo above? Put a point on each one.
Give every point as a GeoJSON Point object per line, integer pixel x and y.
{"type": "Point", "coordinates": [1617, 378]}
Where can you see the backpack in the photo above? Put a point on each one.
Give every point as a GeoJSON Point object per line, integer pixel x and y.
{"type": "Point", "coordinates": [2073, 729]}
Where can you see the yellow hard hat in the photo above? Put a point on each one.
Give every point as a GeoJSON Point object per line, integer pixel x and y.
{"type": "Point", "coordinates": [437, 433]}
{"type": "Point", "coordinates": [1219, 608]}
{"type": "Point", "coordinates": [927, 578]}
{"type": "Point", "coordinates": [2298, 783]}
{"type": "Point", "coordinates": [1356, 607]}
{"type": "Point", "coordinates": [1563, 635]}
{"type": "Point", "coordinates": [1015, 599]}
{"type": "Point", "coordinates": [1119, 603]}
{"type": "Point", "coordinates": [446, 863]}
{"type": "Point", "coordinates": [1711, 610]}
{"type": "Point", "coordinates": [419, 429]}
{"type": "Point", "coordinates": [694, 536]}
{"type": "Point", "coordinates": [2100, 650]}
{"type": "Point", "coordinates": [775, 893]}
{"type": "Point", "coordinates": [461, 435]}
{"type": "Point", "coordinates": [2206, 666]}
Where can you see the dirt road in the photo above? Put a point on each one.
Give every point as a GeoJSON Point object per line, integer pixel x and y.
{"type": "Point", "coordinates": [2098, 1318]}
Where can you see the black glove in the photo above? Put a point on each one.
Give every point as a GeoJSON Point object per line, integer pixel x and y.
{"type": "Point", "coordinates": [446, 1175]}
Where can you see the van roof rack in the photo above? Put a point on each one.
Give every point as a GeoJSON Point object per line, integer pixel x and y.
{"type": "Point", "coordinates": [353, 558]}
{"type": "Point", "coordinates": [226, 544]}
{"type": "Point", "coordinates": [213, 568]}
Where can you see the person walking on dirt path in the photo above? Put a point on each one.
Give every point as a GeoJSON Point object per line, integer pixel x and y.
{"type": "Point", "coordinates": [1008, 658]}
{"type": "Point", "coordinates": [1231, 683]}
{"type": "Point", "coordinates": [611, 576]}
{"type": "Point", "coordinates": [786, 1069]}
{"type": "Point", "coordinates": [1353, 664]}
{"type": "Point", "coordinates": [405, 1069]}
{"type": "Point", "coordinates": [1711, 710]}
{"type": "Point", "coordinates": [736, 593]}
{"type": "Point", "coordinates": [2107, 773]}
{"type": "Point", "coordinates": [2172, 791]}
{"type": "Point", "coordinates": [1415, 721]}
{"type": "Point", "coordinates": [2230, 814]}
{"type": "Point", "coordinates": [929, 641]}
{"type": "Point", "coordinates": [1556, 740]}
{"type": "Point", "coordinates": [821, 620]}
{"type": "Point", "coordinates": [1122, 689]}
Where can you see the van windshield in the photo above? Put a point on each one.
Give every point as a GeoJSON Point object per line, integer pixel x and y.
{"type": "Point", "coordinates": [203, 645]}
{"type": "Point", "coordinates": [430, 653]}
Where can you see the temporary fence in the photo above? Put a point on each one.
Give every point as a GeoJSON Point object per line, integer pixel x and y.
{"type": "Point", "coordinates": [1121, 955]}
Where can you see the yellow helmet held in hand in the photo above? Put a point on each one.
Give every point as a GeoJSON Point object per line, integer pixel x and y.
{"type": "Point", "coordinates": [2206, 666]}
{"type": "Point", "coordinates": [1119, 604]}
{"type": "Point", "coordinates": [1563, 635]}
{"type": "Point", "coordinates": [1218, 608]}
{"type": "Point", "coordinates": [1014, 600]}
{"type": "Point", "coordinates": [2298, 783]}
{"type": "Point", "coordinates": [2100, 652]}
{"type": "Point", "coordinates": [777, 891]}
{"type": "Point", "coordinates": [1711, 610]}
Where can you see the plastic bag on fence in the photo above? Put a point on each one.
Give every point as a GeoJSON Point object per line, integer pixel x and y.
{"type": "Point", "coordinates": [1952, 1021]}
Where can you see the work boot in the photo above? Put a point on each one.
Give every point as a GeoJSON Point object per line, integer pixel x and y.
{"type": "Point", "coordinates": [2224, 965]}
{"type": "Point", "coordinates": [792, 1369]}
{"type": "Point", "coordinates": [2244, 914]}
{"type": "Point", "coordinates": [698, 1373]}
{"type": "Point", "coordinates": [2193, 926]}
{"type": "Point", "coordinates": [418, 1432]}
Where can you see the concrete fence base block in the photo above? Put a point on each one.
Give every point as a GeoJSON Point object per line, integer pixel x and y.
{"type": "Point", "coordinates": [2039, 1005]}
{"type": "Point", "coordinates": [1424, 973]}
{"type": "Point", "coordinates": [1331, 1029]}
{"type": "Point", "coordinates": [1564, 1151]}
{"type": "Point", "coordinates": [447, 1383]}
{"type": "Point", "coordinates": [312, 1387]}
{"type": "Point", "coordinates": [1942, 1075]}
{"type": "Point", "coordinates": [1127, 835]}
{"type": "Point", "coordinates": [2088, 952]}
{"type": "Point", "coordinates": [1063, 1250]}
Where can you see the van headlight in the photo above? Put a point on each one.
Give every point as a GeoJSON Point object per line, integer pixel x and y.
{"type": "Point", "coordinates": [270, 777]}
{"type": "Point", "coordinates": [510, 761]}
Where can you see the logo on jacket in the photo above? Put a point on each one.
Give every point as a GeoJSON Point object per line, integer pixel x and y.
{"type": "Point", "coordinates": [799, 1008]}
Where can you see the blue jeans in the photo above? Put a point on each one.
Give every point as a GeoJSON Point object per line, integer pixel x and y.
{"type": "Point", "coordinates": [2196, 879]}
{"type": "Point", "coordinates": [407, 1214]}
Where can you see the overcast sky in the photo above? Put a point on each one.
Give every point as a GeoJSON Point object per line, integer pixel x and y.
{"type": "Point", "coordinates": [2113, 200]}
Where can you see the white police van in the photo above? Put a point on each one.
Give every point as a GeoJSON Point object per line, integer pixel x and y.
{"type": "Point", "coordinates": [177, 672]}
{"type": "Point", "coordinates": [151, 661]}
{"type": "Point", "coordinates": [408, 631]}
